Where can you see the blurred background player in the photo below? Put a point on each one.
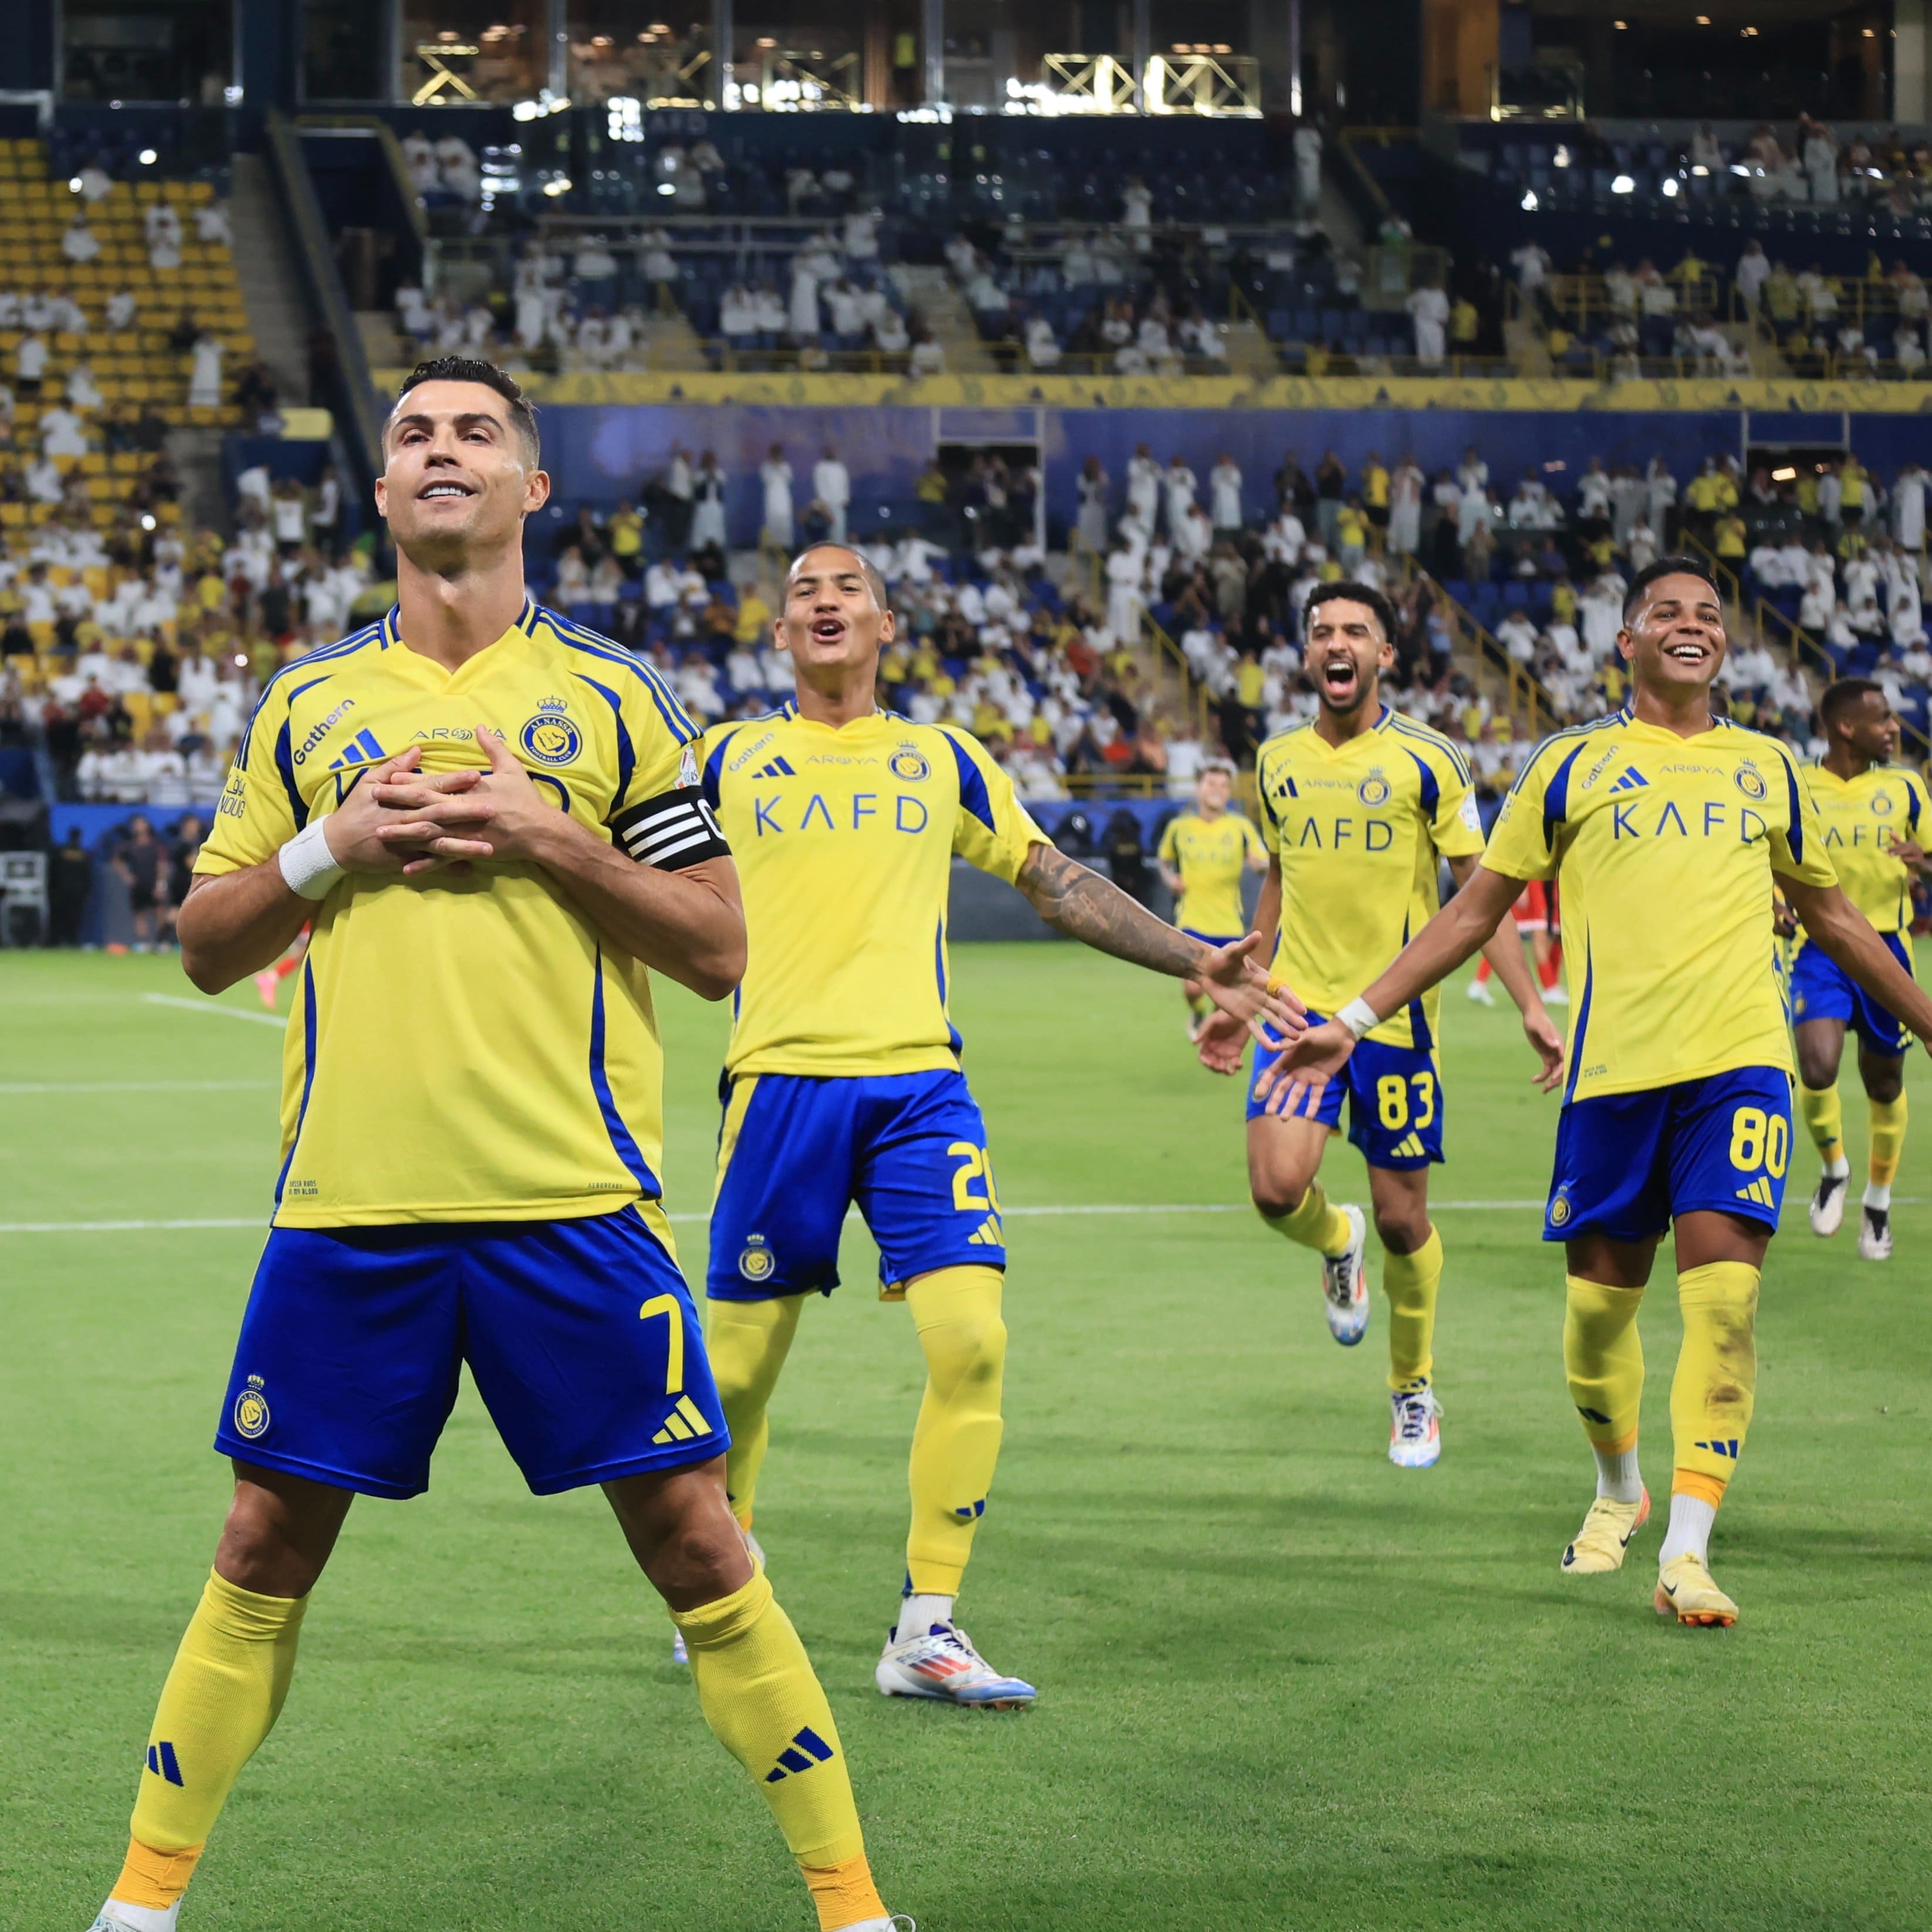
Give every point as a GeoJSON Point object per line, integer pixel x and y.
{"type": "Point", "coordinates": [1359, 809]}
{"type": "Point", "coordinates": [1874, 813]}
{"type": "Point", "coordinates": [509, 1218]}
{"type": "Point", "coordinates": [843, 1081]}
{"type": "Point", "coordinates": [1530, 915]}
{"type": "Point", "coordinates": [1666, 826]}
{"type": "Point", "coordinates": [1202, 855]}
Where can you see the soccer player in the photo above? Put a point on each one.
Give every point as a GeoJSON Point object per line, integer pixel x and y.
{"type": "Point", "coordinates": [1874, 813]}
{"type": "Point", "coordinates": [842, 1081]}
{"type": "Point", "coordinates": [1666, 826]}
{"type": "Point", "coordinates": [1360, 808]}
{"type": "Point", "coordinates": [1202, 856]}
{"type": "Point", "coordinates": [1530, 915]}
{"type": "Point", "coordinates": [492, 818]}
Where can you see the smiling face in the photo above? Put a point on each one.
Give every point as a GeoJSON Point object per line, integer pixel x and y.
{"type": "Point", "coordinates": [834, 616]}
{"type": "Point", "coordinates": [1674, 640]}
{"type": "Point", "coordinates": [1346, 649]}
{"type": "Point", "coordinates": [459, 480]}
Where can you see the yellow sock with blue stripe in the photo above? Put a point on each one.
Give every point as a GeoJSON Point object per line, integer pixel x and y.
{"type": "Point", "coordinates": [1603, 1361]}
{"type": "Point", "coordinates": [1314, 1222]}
{"type": "Point", "coordinates": [222, 1695]}
{"type": "Point", "coordinates": [1825, 1121]}
{"type": "Point", "coordinates": [747, 1342]}
{"type": "Point", "coordinates": [1887, 1140]}
{"type": "Point", "coordinates": [1411, 1281]}
{"type": "Point", "coordinates": [955, 1445]}
{"type": "Point", "coordinates": [758, 1693]}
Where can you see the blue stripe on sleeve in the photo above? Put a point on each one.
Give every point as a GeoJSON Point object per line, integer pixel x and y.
{"type": "Point", "coordinates": [973, 797]}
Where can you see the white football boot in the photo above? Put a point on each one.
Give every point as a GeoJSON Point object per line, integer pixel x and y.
{"type": "Point", "coordinates": [1478, 990]}
{"type": "Point", "coordinates": [942, 1665]}
{"type": "Point", "coordinates": [1827, 1206]}
{"type": "Point", "coordinates": [117, 1915]}
{"type": "Point", "coordinates": [1344, 1283]}
{"type": "Point", "coordinates": [1874, 1234]}
{"type": "Point", "coordinates": [1415, 1430]}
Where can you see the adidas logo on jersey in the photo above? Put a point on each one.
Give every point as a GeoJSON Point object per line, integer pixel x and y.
{"type": "Point", "coordinates": [778, 768]}
{"type": "Point", "coordinates": [805, 1750]}
{"type": "Point", "coordinates": [1726, 1445]}
{"type": "Point", "coordinates": [1409, 1148]}
{"type": "Point", "coordinates": [987, 1234]}
{"type": "Point", "coordinates": [1760, 1191]}
{"type": "Point", "coordinates": [362, 749]}
{"type": "Point", "coordinates": [1631, 781]}
{"type": "Point", "coordinates": [684, 1424]}
{"type": "Point", "coordinates": [163, 1763]}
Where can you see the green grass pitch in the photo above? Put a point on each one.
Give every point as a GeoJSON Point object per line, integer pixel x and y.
{"type": "Point", "coordinates": [1283, 1684]}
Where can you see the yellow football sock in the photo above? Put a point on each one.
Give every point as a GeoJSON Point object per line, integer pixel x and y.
{"type": "Point", "coordinates": [756, 1687]}
{"type": "Point", "coordinates": [1602, 1359]}
{"type": "Point", "coordinates": [1887, 1138]}
{"type": "Point", "coordinates": [1313, 1223]}
{"type": "Point", "coordinates": [844, 1895]}
{"type": "Point", "coordinates": [747, 1341]}
{"type": "Point", "coordinates": [956, 1444]}
{"type": "Point", "coordinates": [222, 1697]}
{"type": "Point", "coordinates": [1410, 1281]}
{"type": "Point", "coordinates": [1824, 1119]}
{"type": "Point", "coordinates": [1712, 1393]}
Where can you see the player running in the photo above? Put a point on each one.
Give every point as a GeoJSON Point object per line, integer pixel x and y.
{"type": "Point", "coordinates": [1874, 813]}
{"type": "Point", "coordinates": [1530, 915]}
{"type": "Point", "coordinates": [1666, 826]}
{"type": "Point", "coordinates": [492, 818]}
{"type": "Point", "coordinates": [1359, 809]}
{"type": "Point", "coordinates": [1202, 856]}
{"type": "Point", "coordinates": [842, 1081]}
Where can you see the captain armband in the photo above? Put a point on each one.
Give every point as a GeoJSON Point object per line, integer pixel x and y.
{"type": "Point", "coordinates": [673, 830]}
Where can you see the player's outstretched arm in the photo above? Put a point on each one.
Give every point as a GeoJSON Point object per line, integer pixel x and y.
{"type": "Point", "coordinates": [688, 924]}
{"type": "Point", "coordinates": [1079, 902]}
{"type": "Point", "coordinates": [1504, 951]}
{"type": "Point", "coordinates": [1453, 935]}
{"type": "Point", "coordinates": [1846, 937]}
{"type": "Point", "coordinates": [235, 923]}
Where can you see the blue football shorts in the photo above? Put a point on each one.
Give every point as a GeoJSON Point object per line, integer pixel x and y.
{"type": "Point", "coordinates": [581, 1335]}
{"type": "Point", "coordinates": [1395, 1102]}
{"type": "Point", "coordinates": [797, 1151]}
{"type": "Point", "coordinates": [1821, 989]}
{"type": "Point", "coordinates": [1628, 1164]}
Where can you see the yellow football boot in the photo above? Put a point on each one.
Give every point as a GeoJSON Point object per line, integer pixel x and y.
{"type": "Point", "coordinates": [1607, 1529]}
{"type": "Point", "coordinates": [1684, 1591]}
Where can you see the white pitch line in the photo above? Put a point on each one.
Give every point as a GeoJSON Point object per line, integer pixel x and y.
{"type": "Point", "coordinates": [134, 1086]}
{"type": "Point", "coordinates": [260, 1221]}
{"type": "Point", "coordinates": [214, 1006]}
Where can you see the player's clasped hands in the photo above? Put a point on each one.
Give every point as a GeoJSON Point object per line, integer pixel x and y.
{"type": "Point", "coordinates": [1248, 998]}
{"type": "Point", "coordinates": [448, 819]}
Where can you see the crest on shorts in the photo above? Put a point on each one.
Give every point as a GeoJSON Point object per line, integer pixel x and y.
{"type": "Point", "coordinates": [1559, 1209]}
{"type": "Point", "coordinates": [756, 1261]}
{"type": "Point", "coordinates": [909, 763]}
{"type": "Point", "coordinates": [1373, 790]}
{"type": "Point", "coordinates": [550, 737]}
{"type": "Point", "coordinates": [1750, 781]}
{"type": "Point", "coordinates": [251, 1411]}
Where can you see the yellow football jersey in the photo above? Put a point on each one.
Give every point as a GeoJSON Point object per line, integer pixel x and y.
{"type": "Point", "coordinates": [463, 1049]}
{"type": "Point", "coordinates": [1210, 857]}
{"type": "Point", "coordinates": [1664, 848]}
{"type": "Point", "coordinates": [844, 841]}
{"type": "Point", "coordinates": [1360, 830]}
{"type": "Point", "coordinates": [1863, 818]}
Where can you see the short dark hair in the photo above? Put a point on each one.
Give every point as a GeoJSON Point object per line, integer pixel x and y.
{"type": "Point", "coordinates": [473, 369]}
{"type": "Point", "coordinates": [1840, 696]}
{"type": "Point", "coordinates": [867, 569]}
{"type": "Point", "coordinates": [1354, 593]}
{"type": "Point", "coordinates": [1666, 566]}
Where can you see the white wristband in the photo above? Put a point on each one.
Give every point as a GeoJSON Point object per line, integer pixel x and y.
{"type": "Point", "coordinates": [307, 865]}
{"type": "Point", "coordinates": [1358, 1016]}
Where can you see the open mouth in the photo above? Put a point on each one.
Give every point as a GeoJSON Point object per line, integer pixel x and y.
{"type": "Point", "coordinates": [1339, 678]}
{"type": "Point", "coordinates": [827, 630]}
{"type": "Point", "coordinates": [443, 487]}
{"type": "Point", "coordinates": [1687, 651]}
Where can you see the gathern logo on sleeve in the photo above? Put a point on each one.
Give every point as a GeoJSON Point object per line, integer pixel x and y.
{"type": "Point", "coordinates": [550, 737]}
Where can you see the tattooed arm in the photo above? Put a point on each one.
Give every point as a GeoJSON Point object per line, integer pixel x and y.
{"type": "Point", "coordinates": [1083, 905]}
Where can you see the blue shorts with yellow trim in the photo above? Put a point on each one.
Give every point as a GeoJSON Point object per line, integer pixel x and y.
{"type": "Point", "coordinates": [1628, 1164]}
{"type": "Point", "coordinates": [582, 1338]}
{"type": "Point", "coordinates": [797, 1151]}
{"type": "Point", "coordinates": [1395, 1102]}
{"type": "Point", "coordinates": [1821, 989]}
